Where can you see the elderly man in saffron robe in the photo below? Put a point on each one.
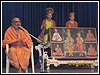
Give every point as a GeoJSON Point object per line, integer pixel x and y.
{"type": "Point", "coordinates": [20, 44]}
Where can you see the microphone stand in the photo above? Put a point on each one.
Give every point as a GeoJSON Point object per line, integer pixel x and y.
{"type": "Point", "coordinates": [42, 61]}
{"type": "Point", "coordinates": [42, 66]}
{"type": "Point", "coordinates": [29, 34]}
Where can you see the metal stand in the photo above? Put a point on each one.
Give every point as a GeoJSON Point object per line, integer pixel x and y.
{"type": "Point", "coordinates": [42, 61]}
{"type": "Point", "coordinates": [42, 67]}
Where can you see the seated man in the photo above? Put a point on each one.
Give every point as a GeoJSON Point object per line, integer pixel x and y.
{"type": "Point", "coordinates": [56, 36]}
{"type": "Point", "coordinates": [90, 37]}
{"type": "Point", "coordinates": [20, 44]}
{"type": "Point", "coordinates": [58, 51]}
{"type": "Point", "coordinates": [91, 51]}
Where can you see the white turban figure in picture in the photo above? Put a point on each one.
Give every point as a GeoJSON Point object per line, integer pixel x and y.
{"type": "Point", "coordinates": [56, 36]}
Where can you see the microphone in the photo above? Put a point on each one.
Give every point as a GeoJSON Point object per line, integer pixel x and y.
{"type": "Point", "coordinates": [21, 28]}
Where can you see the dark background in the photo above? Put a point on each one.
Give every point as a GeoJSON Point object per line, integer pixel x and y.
{"type": "Point", "coordinates": [32, 14]}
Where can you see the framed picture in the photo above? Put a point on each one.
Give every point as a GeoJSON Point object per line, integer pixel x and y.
{"type": "Point", "coordinates": [73, 42]}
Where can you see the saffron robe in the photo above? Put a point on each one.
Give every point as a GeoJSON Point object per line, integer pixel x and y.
{"type": "Point", "coordinates": [71, 25]}
{"type": "Point", "coordinates": [79, 44]}
{"type": "Point", "coordinates": [58, 52]}
{"type": "Point", "coordinates": [90, 37]}
{"type": "Point", "coordinates": [92, 52]}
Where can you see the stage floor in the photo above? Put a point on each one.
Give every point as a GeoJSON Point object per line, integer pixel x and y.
{"type": "Point", "coordinates": [60, 69]}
